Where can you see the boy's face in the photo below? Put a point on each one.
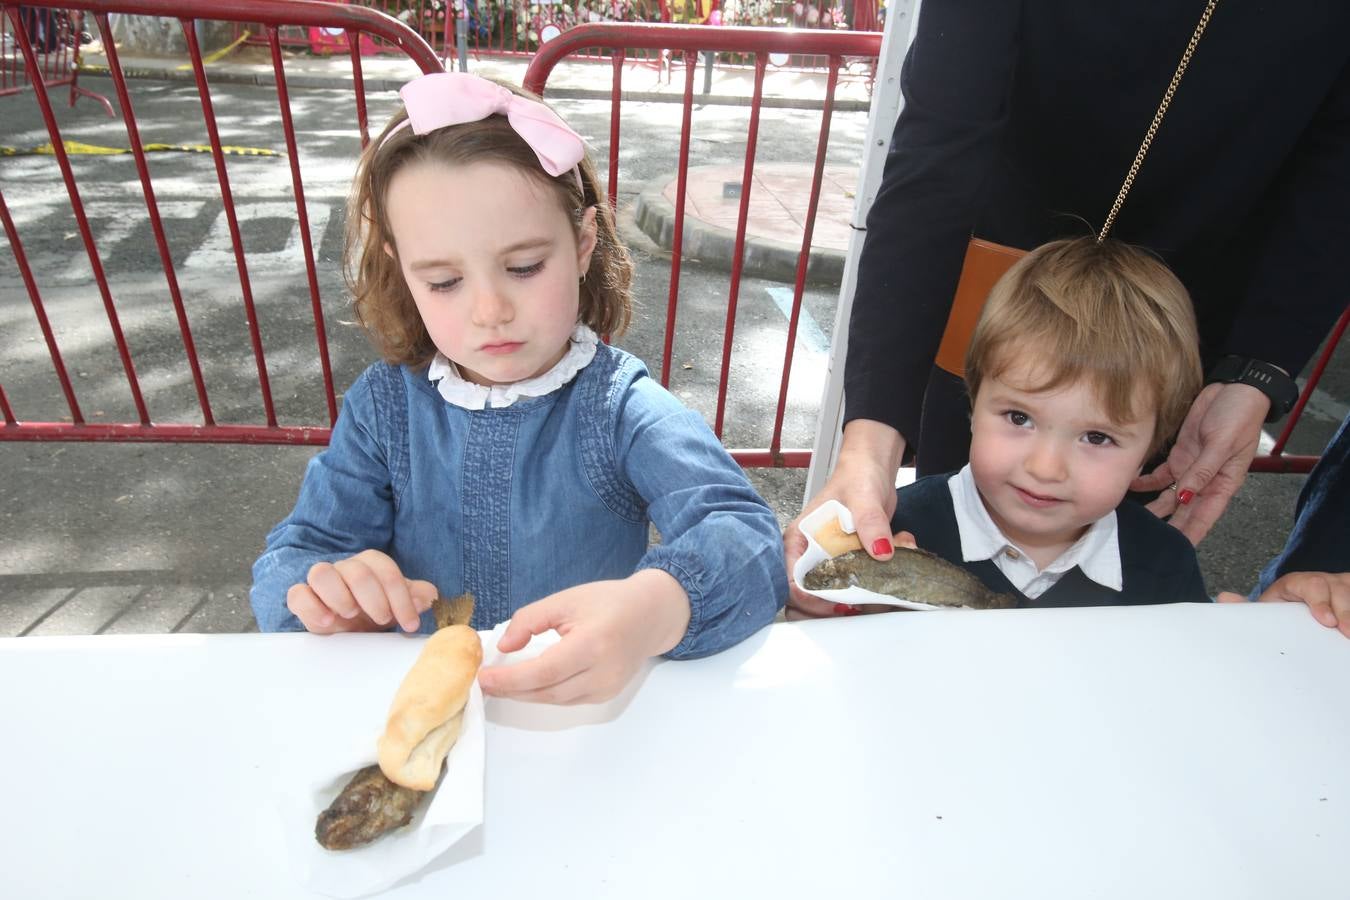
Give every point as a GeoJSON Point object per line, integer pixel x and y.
{"type": "Point", "coordinates": [1050, 463]}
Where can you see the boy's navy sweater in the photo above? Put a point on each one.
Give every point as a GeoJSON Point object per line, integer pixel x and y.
{"type": "Point", "coordinates": [1157, 562]}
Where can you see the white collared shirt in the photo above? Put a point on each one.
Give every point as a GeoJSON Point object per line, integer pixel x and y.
{"type": "Point", "coordinates": [454, 388]}
{"type": "Point", "coordinates": [1097, 552]}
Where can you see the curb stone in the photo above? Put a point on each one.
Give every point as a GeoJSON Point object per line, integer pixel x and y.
{"type": "Point", "coordinates": [714, 245]}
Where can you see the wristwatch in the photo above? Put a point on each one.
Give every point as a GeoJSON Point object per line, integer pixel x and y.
{"type": "Point", "coordinates": [1269, 380]}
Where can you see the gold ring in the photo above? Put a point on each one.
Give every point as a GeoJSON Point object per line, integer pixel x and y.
{"type": "Point", "coordinates": [1172, 487]}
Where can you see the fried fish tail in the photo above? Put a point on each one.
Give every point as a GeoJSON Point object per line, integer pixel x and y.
{"type": "Point", "coordinates": [458, 611]}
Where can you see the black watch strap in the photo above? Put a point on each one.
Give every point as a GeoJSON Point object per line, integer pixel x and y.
{"type": "Point", "coordinates": [1269, 380]}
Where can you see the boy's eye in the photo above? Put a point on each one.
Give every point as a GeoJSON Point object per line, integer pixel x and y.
{"type": "Point", "coordinates": [526, 271]}
{"type": "Point", "coordinates": [440, 286]}
{"type": "Point", "coordinates": [1017, 417]}
{"type": "Point", "coordinates": [1098, 439]}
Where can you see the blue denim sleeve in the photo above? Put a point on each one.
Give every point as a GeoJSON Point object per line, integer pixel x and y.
{"type": "Point", "coordinates": [719, 538]}
{"type": "Point", "coordinates": [345, 506]}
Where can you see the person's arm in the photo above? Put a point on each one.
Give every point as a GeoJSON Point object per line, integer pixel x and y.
{"type": "Point", "coordinates": [345, 506]}
{"type": "Point", "coordinates": [1296, 290]}
{"type": "Point", "coordinates": [719, 540]}
{"type": "Point", "coordinates": [956, 82]}
{"type": "Point", "coordinates": [863, 480]}
{"type": "Point", "coordinates": [1297, 286]}
{"type": "Point", "coordinates": [716, 577]}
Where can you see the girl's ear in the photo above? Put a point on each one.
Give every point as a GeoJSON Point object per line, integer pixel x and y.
{"type": "Point", "coordinates": [586, 240]}
{"type": "Point", "coordinates": [389, 250]}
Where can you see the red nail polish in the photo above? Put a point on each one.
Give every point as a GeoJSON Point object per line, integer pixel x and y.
{"type": "Point", "coordinates": [1184, 497]}
{"type": "Point", "coordinates": [881, 546]}
{"type": "Point", "coordinates": [843, 609]}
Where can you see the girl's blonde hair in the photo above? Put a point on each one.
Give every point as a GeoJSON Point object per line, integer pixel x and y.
{"type": "Point", "coordinates": [384, 306]}
{"type": "Point", "coordinates": [1105, 312]}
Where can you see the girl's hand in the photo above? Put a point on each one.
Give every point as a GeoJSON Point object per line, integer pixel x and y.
{"type": "Point", "coordinates": [365, 592]}
{"type": "Point", "coordinates": [1326, 593]}
{"type": "Point", "coordinates": [608, 629]}
{"type": "Point", "coordinates": [864, 481]}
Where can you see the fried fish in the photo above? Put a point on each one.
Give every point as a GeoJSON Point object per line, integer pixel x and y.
{"type": "Point", "coordinates": [914, 575]}
{"type": "Point", "coordinates": [368, 807]}
{"type": "Point", "coordinates": [371, 805]}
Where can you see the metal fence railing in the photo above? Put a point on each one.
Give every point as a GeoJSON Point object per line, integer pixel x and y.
{"type": "Point", "coordinates": [36, 408]}
{"type": "Point", "coordinates": [687, 43]}
{"type": "Point", "coordinates": [41, 43]}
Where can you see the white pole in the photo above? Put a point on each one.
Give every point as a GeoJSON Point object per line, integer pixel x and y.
{"type": "Point", "coordinates": [901, 18]}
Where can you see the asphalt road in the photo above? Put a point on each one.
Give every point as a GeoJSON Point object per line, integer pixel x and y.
{"type": "Point", "coordinates": [124, 538]}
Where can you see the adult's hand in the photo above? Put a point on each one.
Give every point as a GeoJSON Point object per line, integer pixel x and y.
{"type": "Point", "coordinates": [1326, 593]}
{"type": "Point", "coordinates": [863, 480]}
{"type": "Point", "coordinates": [1209, 460]}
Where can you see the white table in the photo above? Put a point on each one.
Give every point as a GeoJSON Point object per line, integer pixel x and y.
{"type": "Point", "coordinates": [1176, 751]}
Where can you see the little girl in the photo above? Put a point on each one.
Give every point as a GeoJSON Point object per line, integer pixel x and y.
{"type": "Point", "coordinates": [501, 448]}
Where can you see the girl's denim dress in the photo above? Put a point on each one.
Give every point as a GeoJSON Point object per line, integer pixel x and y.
{"type": "Point", "coordinates": [516, 503]}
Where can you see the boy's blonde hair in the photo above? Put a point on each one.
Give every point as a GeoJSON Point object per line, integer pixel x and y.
{"type": "Point", "coordinates": [1105, 312]}
{"type": "Point", "coordinates": [384, 306]}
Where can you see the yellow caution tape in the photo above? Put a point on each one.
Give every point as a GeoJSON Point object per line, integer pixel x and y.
{"type": "Point", "coordinates": [77, 148]}
{"type": "Point", "coordinates": [212, 57]}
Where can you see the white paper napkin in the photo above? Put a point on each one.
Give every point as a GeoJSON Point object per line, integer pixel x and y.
{"type": "Point", "coordinates": [543, 716]}
{"type": "Point", "coordinates": [833, 509]}
{"type": "Point", "coordinates": [453, 810]}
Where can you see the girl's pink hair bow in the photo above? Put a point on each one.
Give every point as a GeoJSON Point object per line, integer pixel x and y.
{"type": "Point", "coordinates": [453, 98]}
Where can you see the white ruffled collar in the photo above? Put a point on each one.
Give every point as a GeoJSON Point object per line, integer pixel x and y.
{"type": "Point", "coordinates": [463, 393]}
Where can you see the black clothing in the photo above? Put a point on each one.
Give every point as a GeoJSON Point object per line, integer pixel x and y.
{"type": "Point", "coordinates": [1157, 562]}
{"type": "Point", "coordinates": [1019, 124]}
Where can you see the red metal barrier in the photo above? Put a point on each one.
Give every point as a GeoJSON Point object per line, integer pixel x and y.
{"type": "Point", "coordinates": [1277, 460]}
{"type": "Point", "coordinates": [491, 27]}
{"type": "Point", "coordinates": [19, 423]}
{"type": "Point", "coordinates": [42, 41]}
{"type": "Point", "coordinates": [688, 41]}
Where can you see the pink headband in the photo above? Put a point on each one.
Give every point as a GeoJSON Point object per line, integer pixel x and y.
{"type": "Point", "coordinates": [454, 98]}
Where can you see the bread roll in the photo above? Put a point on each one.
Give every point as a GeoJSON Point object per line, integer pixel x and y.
{"type": "Point", "coordinates": [834, 540]}
{"type": "Point", "coordinates": [428, 709]}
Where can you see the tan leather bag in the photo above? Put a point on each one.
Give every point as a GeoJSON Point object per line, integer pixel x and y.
{"type": "Point", "coordinates": [986, 262]}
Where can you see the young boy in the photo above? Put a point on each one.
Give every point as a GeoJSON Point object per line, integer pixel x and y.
{"type": "Point", "coordinates": [1081, 368]}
